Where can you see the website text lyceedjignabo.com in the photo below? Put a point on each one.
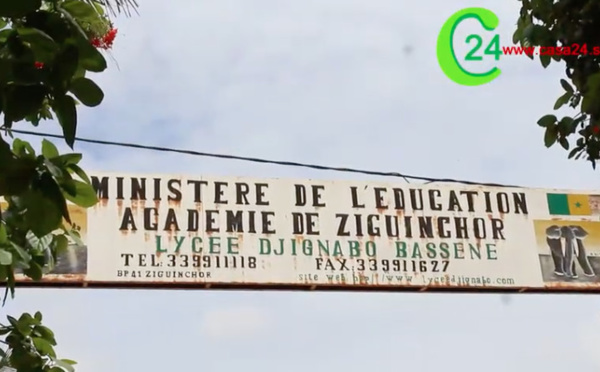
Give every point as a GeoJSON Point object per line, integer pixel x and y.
{"type": "Point", "coordinates": [567, 50]}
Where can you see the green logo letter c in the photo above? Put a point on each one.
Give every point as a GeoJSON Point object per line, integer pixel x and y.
{"type": "Point", "coordinates": [445, 50]}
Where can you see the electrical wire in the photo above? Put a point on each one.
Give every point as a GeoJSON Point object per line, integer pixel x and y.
{"type": "Point", "coordinates": [406, 177]}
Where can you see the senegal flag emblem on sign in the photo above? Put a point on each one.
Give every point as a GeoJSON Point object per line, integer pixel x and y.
{"type": "Point", "coordinates": [573, 204]}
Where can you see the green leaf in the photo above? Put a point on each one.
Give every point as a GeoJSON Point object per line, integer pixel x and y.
{"type": "Point", "coordinates": [6, 154]}
{"type": "Point", "coordinates": [16, 176]}
{"type": "Point", "coordinates": [87, 92]}
{"type": "Point", "coordinates": [26, 320]}
{"type": "Point", "coordinates": [538, 35]}
{"type": "Point", "coordinates": [43, 346]}
{"type": "Point", "coordinates": [546, 120]}
{"type": "Point", "coordinates": [587, 102]}
{"type": "Point", "coordinates": [67, 160]}
{"type": "Point", "coordinates": [590, 99]}
{"type": "Point", "coordinates": [38, 316]}
{"type": "Point", "coordinates": [53, 169]}
{"type": "Point", "coordinates": [6, 258]}
{"type": "Point", "coordinates": [46, 333]}
{"type": "Point", "coordinates": [562, 100]}
{"type": "Point", "coordinates": [80, 172]}
{"type": "Point", "coordinates": [23, 100]}
{"type": "Point", "coordinates": [6, 73]}
{"type": "Point", "coordinates": [20, 50]}
{"type": "Point", "coordinates": [99, 8]}
{"type": "Point", "coordinates": [65, 66]}
{"type": "Point", "coordinates": [43, 46]}
{"type": "Point", "coordinates": [10, 285]}
{"type": "Point", "coordinates": [574, 152]}
{"type": "Point", "coordinates": [550, 136]}
{"type": "Point", "coordinates": [26, 257]}
{"type": "Point", "coordinates": [73, 22]}
{"type": "Point", "coordinates": [52, 191]}
{"type": "Point", "coordinates": [18, 9]}
{"type": "Point", "coordinates": [528, 32]}
{"type": "Point", "coordinates": [23, 148]}
{"type": "Point", "coordinates": [66, 364]}
{"type": "Point", "coordinates": [90, 58]}
{"type": "Point", "coordinates": [564, 143]}
{"type": "Point", "coordinates": [49, 150]}
{"type": "Point", "coordinates": [25, 73]}
{"type": "Point", "coordinates": [80, 72]}
{"type": "Point", "coordinates": [35, 271]}
{"type": "Point", "coordinates": [66, 112]}
{"type": "Point", "coordinates": [13, 321]}
{"type": "Point", "coordinates": [566, 121]}
{"type": "Point", "coordinates": [21, 326]}
{"type": "Point", "coordinates": [3, 23]}
{"type": "Point", "coordinates": [3, 233]}
{"type": "Point", "coordinates": [545, 59]}
{"type": "Point", "coordinates": [566, 86]}
{"type": "Point", "coordinates": [85, 195]}
{"type": "Point", "coordinates": [43, 215]}
{"type": "Point", "coordinates": [4, 34]}
{"type": "Point", "coordinates": [80, 10]}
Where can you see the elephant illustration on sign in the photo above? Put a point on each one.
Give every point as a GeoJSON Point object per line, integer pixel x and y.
{"type": "Point", "coordinates": [563, 255]}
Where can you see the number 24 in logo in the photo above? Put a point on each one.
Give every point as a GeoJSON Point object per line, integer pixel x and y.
{"type": "Point", "coordinates": [493, 48]}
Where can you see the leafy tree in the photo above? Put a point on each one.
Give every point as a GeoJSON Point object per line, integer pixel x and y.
{"type": "Point", "coordinates": [47, 47]}
{"type": "Point", "coordinates": [570, 28]}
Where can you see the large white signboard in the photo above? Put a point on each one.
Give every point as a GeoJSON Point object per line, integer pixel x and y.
{"type": "Point", "coordinates": [242, 232]}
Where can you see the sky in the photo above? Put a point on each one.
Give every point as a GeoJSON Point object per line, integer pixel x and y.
{"type": "Point", "coordinates": [336, 82]}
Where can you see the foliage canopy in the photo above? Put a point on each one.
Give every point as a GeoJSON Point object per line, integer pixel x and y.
{"type": "Point", "coordinates": [572, 26]}
{"type": "Point", "coordinates": [47, 48]}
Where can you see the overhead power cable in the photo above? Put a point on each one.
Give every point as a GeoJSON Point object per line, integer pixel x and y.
{"type": "Point", "coordinates": [264, 161]}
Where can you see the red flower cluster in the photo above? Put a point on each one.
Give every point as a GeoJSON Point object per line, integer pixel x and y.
{"type": "Point", "coordinates": [106, 41]}
{"type": "Point", "coordinates": [595, 129]}
{"type": "Point", "coordinates": [39, 65]}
